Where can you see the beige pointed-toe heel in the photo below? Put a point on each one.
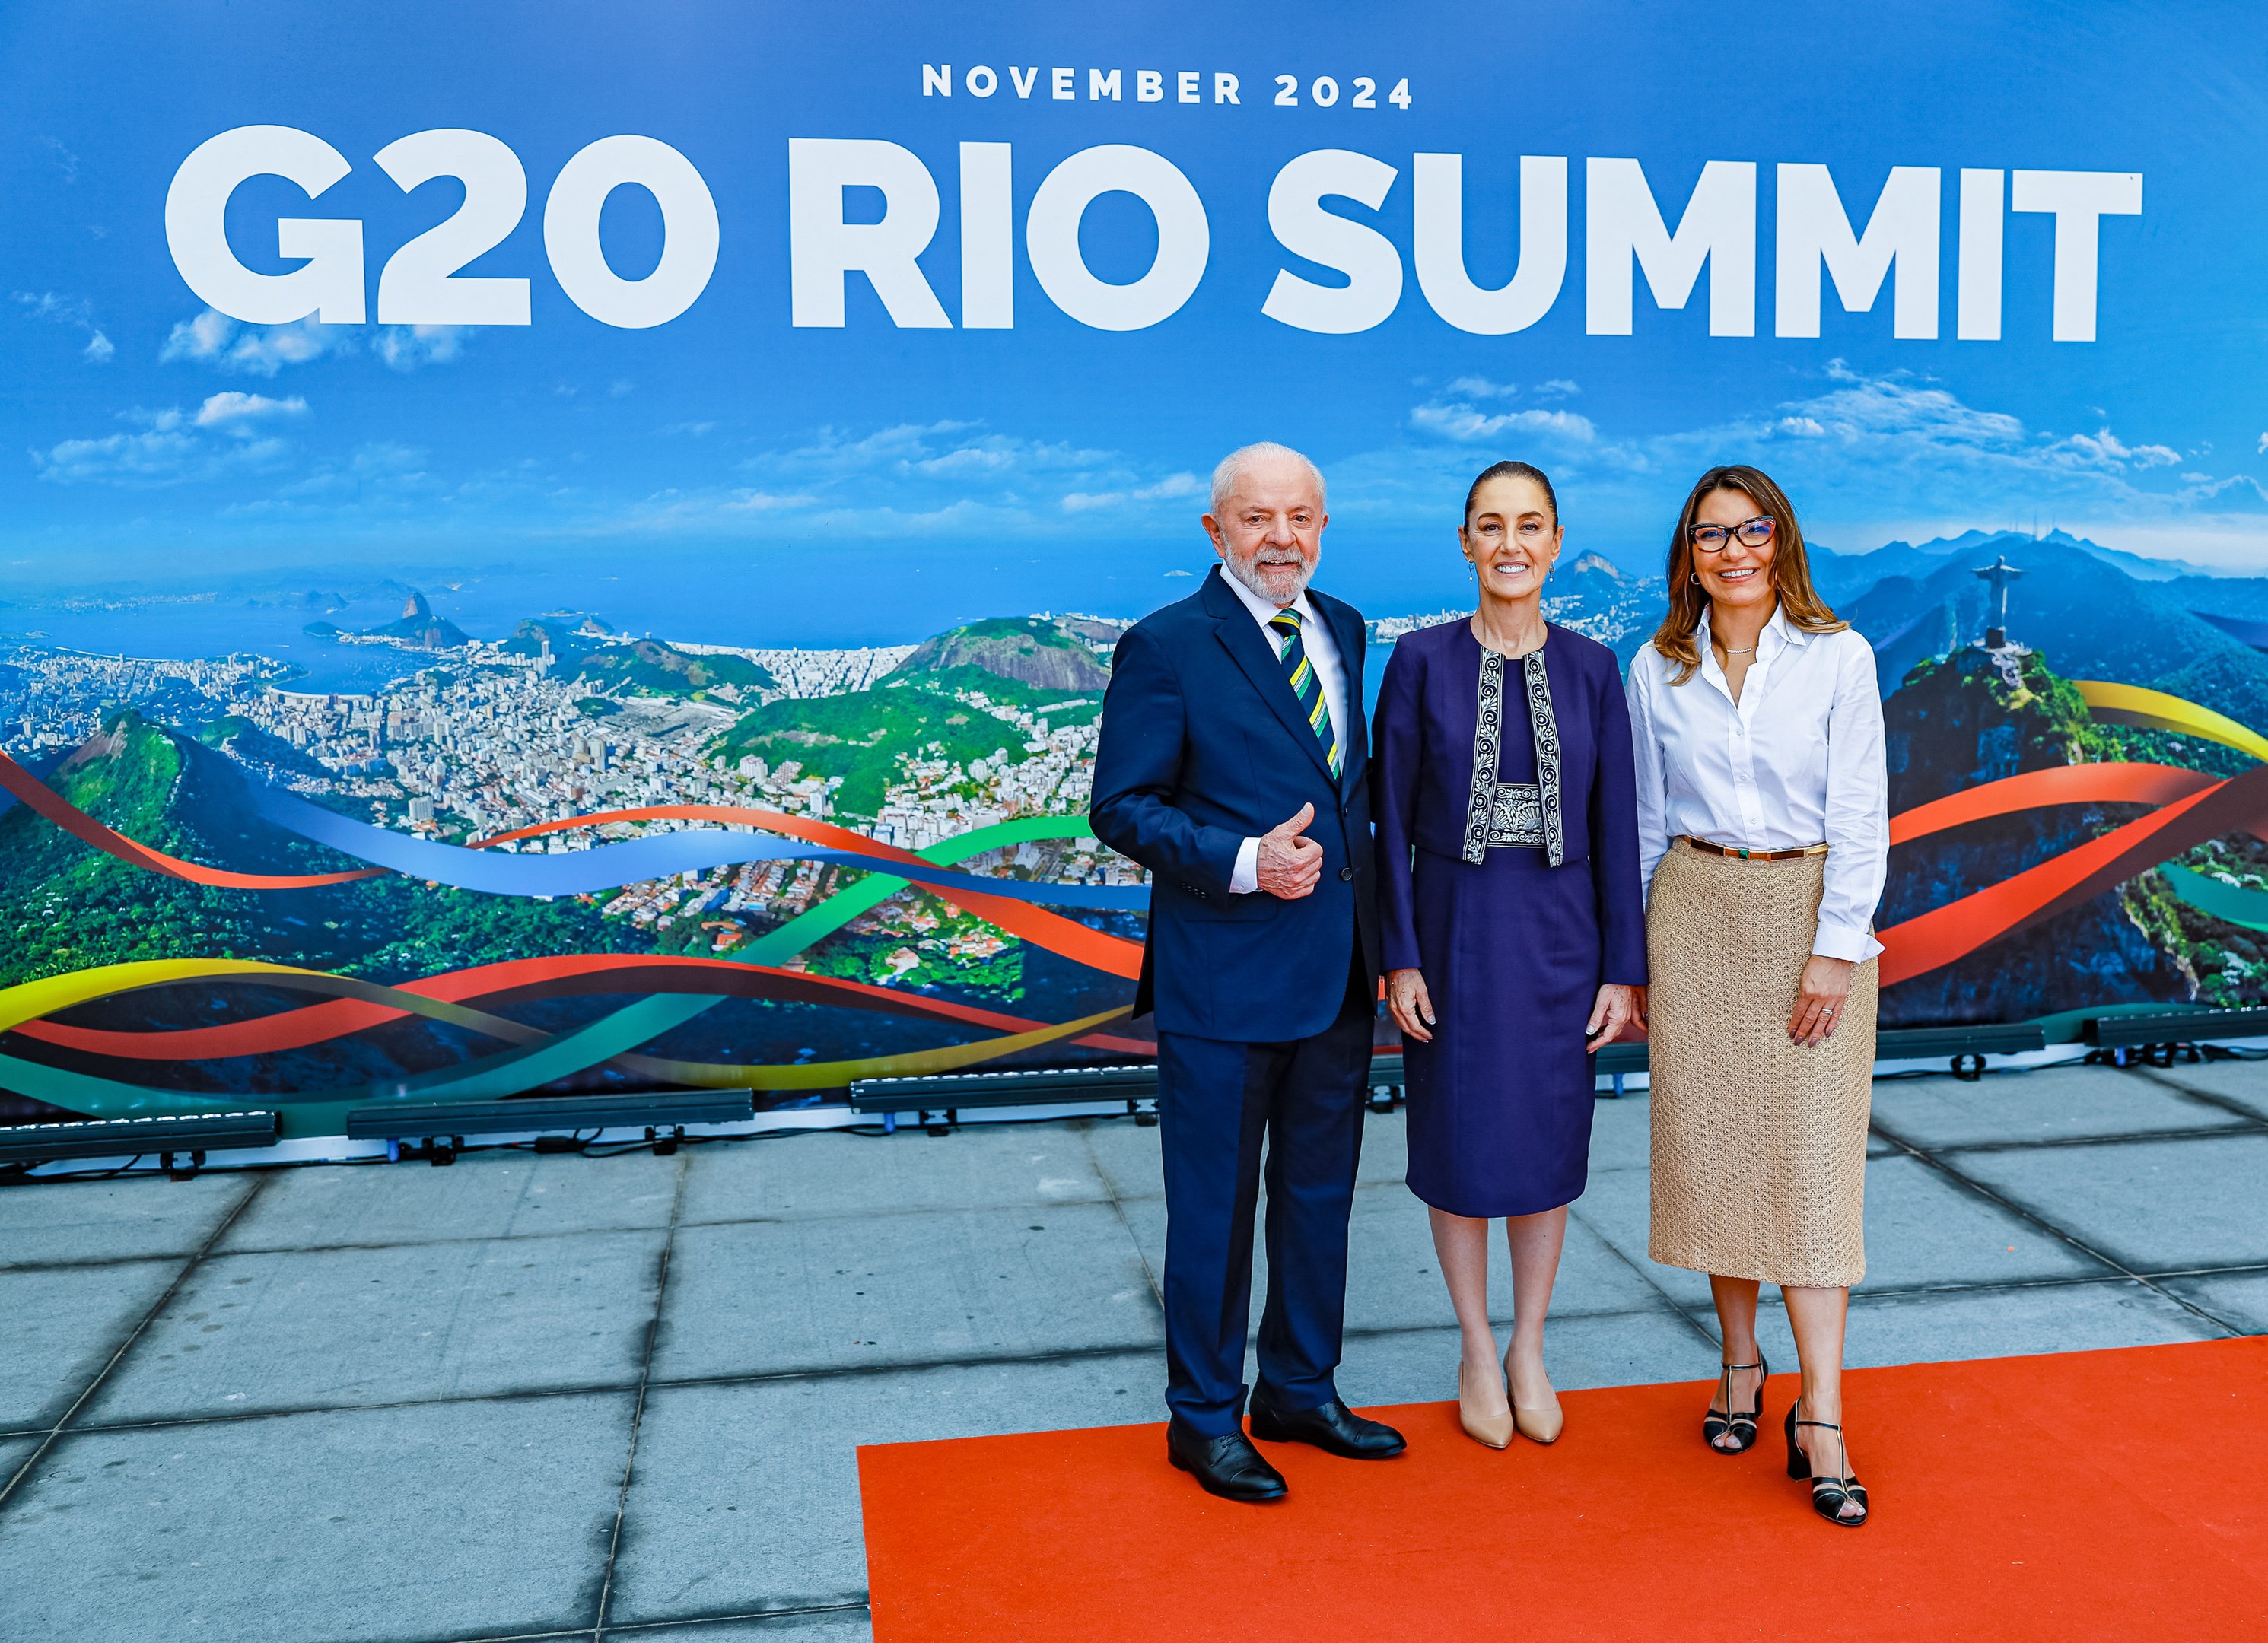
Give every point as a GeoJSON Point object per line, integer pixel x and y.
{"type": "Point", "coordinates": [1495, 1431]}
{"type": "Point", "coordinates": [1540, 1423]}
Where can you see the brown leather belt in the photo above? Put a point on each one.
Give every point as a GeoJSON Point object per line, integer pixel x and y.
{"type": "Point", "coordinates": [1751, 856]}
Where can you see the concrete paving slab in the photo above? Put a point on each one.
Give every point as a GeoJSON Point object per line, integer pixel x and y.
{"type": "Point", "coordinates": [2045, 1103]}
{"type": "Point", "coordinates": [1126, 1156]}
{"type": "Point", "coordinates": [1946, 1325]}
{"type": "Point", "coordinates": [1385, 1148]}
{"type": "Point", "coordinates": [443, 1521]}
{"type": "Point", "coordinates": [851, 1626]}
{"type": "Point", "coordinates": [1925, 1230]}
{"type": "Point", "coordinates": [2166, 1206]}
{"type": "Point", "coordinates": [760, 1298]}
{"type": "Point", "coordinates": [59, 1324]}
{"type": "Point", "coordinates": [1921, 1228]}
{"type": "Point", "coordinates": [1618, 1207]}
{"type": "Point", "coordinates": [747, 1497]}
{"type": "Point", "coordinates": [482, 1195]}
{"type": "Point", "coordinates": [126, 1218]}
{"type": "Point", "coordinates": [1943, 1325]}
{"type": "Point", "coordinates": [323, 1328]}
{"type": "Point", "coordinates": [2237, 1298]}
{"type": "Point", "coordinates": [1614, 1349]}
{"type": "Point", "coordinates": [1394, 1282]}
{"type": "Point", "coordinates": [2244, 1083]}
{"type": "Point", "coordinates": [836, 1173]}
{"type": "Point", "coordinates": [1621, 1132]}
{"type": "Point", "coordinates": [13, 1453]}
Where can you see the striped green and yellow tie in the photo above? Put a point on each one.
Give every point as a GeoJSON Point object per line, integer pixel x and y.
{"type": "Point", "coordinates": [1293, 653]}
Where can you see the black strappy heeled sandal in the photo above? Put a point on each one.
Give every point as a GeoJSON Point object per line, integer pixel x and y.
{"type": "Point", "coordinates": [1714, 1426]}
{"type": "Point", "coordinates": [1828, 1495]}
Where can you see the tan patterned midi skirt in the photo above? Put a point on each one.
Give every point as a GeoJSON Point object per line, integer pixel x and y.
{"type": "Point", "coordinates": [1759, 1145]}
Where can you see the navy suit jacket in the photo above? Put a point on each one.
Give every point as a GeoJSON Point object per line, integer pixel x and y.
{"type": "Point", "coordinates": [1203, 746]}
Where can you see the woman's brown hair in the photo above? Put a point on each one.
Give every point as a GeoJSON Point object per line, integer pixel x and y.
{"type": "Point", "coordinates": [1791, 567]}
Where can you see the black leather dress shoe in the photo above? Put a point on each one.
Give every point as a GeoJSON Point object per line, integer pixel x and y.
{"type": "Point", "coordinates": [1228, 1466]}
{"type": "Point", "coordinates": [1334, 1428]}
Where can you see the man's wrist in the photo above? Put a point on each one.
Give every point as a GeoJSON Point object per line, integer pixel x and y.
{"type": "Point", "coordinates": [1244, 878]}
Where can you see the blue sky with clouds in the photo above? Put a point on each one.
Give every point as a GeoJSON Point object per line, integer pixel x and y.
{"type": "Point", "coordinates": [873, 482]}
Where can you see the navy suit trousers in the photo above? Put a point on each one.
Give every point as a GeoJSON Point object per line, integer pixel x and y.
{"type": "Point", "coordinates": [1217, 1101]}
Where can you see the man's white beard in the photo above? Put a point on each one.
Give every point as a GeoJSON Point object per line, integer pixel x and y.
{"type": "Point", "coordinates": [1290, 580]}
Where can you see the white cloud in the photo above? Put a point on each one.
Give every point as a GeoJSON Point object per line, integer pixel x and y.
{"type": "Point", "coordinates": [407, 347]}
{"type": "Point", "coordinates": [236, 411]}
{"type": "Point", "coordinates": [1454, 414]}
{"type": "Point", "coordinates": [1465, 422]}
{"type": "Point", "coordinates": [1558, 388]}
{"type": "Point", "coordinates": [173, 447]}
{"type": "Point", "coordinates": [2104, 449]}
{"type": "Point", "coordinates": [1172, 487]}
{"type": "Point", "coordinates": [214, 339]}
{"type": "Point", "coordinates": [75, 311]}
{"type": "Point", "coordinates": [1866, 457]}
{"type": "Point", "coordinates": [934, 479]}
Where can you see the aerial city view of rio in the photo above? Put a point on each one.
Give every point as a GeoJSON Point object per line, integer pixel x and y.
{"type": "Point", "coordinates": [822, 862]}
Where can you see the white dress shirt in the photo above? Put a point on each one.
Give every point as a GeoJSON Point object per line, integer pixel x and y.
{"type": "Point", "coordinates": [1323, 656]}
{"type": "Point", "coordinates": [1797, 761]}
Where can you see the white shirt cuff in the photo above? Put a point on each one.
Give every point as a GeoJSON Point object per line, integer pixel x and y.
{"type": "Point", "coordinates": [1853, 946]}
{"type": "Point", "coordinates": [1245, 878]}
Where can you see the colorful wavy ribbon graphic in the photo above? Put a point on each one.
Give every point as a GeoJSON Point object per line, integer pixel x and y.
{"type": "Point", "coordinates": [2154, 710]}
{"type": "Point", "coordinates": [610, 1039]}
{"type": "Point", "coordinates": [1940, 936]}
{"type": "Point", "coordinates": [2187, 808]}
{"type": "Point", "coordinates": [576, 873]}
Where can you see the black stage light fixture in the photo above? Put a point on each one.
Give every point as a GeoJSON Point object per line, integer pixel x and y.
{"type": "Point", "coordinates": [442, 1126]}
{"type": "Point", "coordinates": [2158, 1034]}
{"type": "Point", "coordinates": [937, 1101]}
{"type": "Point", "coordinates": [169, 1138]}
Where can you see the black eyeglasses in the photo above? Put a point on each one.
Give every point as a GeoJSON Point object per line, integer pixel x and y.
{"type": "Point", "coordinates": [1709, 539]}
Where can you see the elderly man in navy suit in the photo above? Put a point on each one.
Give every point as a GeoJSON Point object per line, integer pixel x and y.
{"type": "Point", "coordinates": [1232, 767]}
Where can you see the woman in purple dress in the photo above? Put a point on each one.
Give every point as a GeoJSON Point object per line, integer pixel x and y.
{"type": "Point", "coordinates": [1505, 792]}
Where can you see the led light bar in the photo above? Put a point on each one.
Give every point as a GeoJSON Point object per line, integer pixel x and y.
{"type": "Point", "coordinates": [2174, 1026]}
{"type": "Point", "coordinates": [402, 1120]}
{"type": "Point", "coordinates": [1039, 1088]}
{"type": "Point", "coordinates": [125, 1138]}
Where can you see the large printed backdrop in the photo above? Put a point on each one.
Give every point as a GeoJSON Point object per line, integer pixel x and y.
{"type": "Point", "coordinates": [650, 627]}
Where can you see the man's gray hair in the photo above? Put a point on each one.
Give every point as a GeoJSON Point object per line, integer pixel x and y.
{"type": "Point", "coordinates": [1232, 465]}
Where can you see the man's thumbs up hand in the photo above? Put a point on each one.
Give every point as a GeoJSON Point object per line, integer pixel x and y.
{"type": "Point", "coordinates": [1288, 863]}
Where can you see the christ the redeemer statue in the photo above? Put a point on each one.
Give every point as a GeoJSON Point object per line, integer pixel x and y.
{"type": "Point", "coordinates": [2000, 573]}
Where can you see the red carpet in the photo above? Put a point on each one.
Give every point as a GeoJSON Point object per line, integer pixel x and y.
{"type": "Point", "coordinates": [2086, 1495]}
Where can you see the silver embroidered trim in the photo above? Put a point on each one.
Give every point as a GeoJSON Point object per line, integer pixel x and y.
{"type": "Point", "coordinates": [1516, 815]}
{"type": "Point", "coordinates": [1517, 819]}
{"type": "Point", "coordinates": [1546, 728]}
{"type": "Point", "coordinates": [1488, 726]}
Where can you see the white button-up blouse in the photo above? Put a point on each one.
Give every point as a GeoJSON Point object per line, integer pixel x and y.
{"type": "Point", "coordinates": [1797, 761]}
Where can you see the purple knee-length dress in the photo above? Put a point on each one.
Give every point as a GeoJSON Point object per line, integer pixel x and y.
{"type": "Point", "coordinates": [1505, 799]}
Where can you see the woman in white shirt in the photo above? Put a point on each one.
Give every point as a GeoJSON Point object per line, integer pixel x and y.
{"type": "Point", "coordinates": [1763, 833]}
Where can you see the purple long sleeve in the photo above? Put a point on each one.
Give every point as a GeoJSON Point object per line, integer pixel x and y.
{"type": "Point", "coordinates": [1397, 754]}
{"type": "Point", "coordinates": [1614, 844]}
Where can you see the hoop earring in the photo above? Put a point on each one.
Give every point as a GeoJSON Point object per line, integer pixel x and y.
{"type": "Point", "coordinates": [1695, 578]}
